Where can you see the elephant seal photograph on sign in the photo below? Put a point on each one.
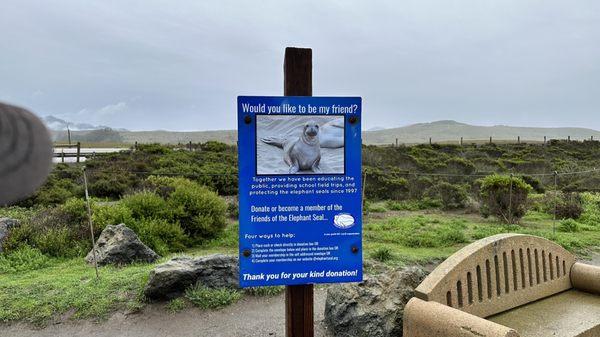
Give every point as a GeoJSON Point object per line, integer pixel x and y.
{"type": "Point", "coordinates": [303, 153]}
{"type": "Point", "coordinates": [300, 144]}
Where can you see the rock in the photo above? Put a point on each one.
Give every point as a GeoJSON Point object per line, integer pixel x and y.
{"type": "Point", "coordinates": [6, 224]}
{"type": "Point", "coordinates": [120, 245]}
{"type": "Point", "coordinates": [170, 279]}
{"type": "Point", "coordinates": [373, 307]}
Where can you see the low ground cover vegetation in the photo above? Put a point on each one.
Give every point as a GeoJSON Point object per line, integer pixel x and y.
{"type": "Point", "coordinates": [183, 202]}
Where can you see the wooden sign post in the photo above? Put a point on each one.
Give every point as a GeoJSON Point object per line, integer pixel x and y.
{"type": "Point", "coordinates": [299, 301]}
{"type": "Point", "coordinates": [282, 231]}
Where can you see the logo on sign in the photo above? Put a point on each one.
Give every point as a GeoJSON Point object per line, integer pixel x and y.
{"type": "Point", "coordinates": [343, 220]}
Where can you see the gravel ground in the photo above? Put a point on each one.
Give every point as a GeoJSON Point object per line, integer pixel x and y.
{"type": "Point", "coordinates": [251, 316]}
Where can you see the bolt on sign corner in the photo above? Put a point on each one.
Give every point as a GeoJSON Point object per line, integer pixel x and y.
{"type": "Point", "coordinates": [299, 190]}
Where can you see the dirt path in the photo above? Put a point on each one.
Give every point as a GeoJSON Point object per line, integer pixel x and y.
{"type": "Point", "coordinates": [251, 316]}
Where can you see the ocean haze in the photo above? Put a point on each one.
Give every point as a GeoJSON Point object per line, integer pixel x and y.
{"type": "Point", "coordinates": [147, 65]}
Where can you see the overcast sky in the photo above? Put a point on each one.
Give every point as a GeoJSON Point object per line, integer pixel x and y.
{"type": "Point", "coordinates": [179, 65]}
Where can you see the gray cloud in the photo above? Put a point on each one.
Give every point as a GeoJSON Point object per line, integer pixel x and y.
{"type": "Point", "coordinates": [180, 65]}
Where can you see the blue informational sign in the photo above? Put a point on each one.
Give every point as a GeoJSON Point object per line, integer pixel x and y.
{"type": "Point", "coordinates": [299, 190]}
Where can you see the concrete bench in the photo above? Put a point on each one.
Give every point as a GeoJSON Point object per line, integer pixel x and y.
{"type": "Point", "coordinates": [507, 285]}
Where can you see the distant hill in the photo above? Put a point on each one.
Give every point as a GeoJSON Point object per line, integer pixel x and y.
{"type": "Point", "coordinates": [451, 131]}
{"type": "Point", "coordinates": [58, 124]}
{"type": "Point", "coordinates": [440, 132]}
{"type": "Point", "coordinates": [174, 137]}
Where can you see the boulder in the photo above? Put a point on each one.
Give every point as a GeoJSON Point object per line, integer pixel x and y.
{"type": "Point", "coordinates": [373, 307]}
{"type": "Point", "coordinates": [6, 224]}
{"type": "Point", "coordinates": [170, 279]}
{"type": "Point", "coordinates": [120, 245]}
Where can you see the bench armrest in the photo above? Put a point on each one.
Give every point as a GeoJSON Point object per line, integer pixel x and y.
{"type": "Point", "coordinates": [586, 277]}
{"type": "Point", "coordinates": [432, 319]}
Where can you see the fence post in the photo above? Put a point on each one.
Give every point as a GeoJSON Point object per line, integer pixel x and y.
{"type": "Point", "coordinates": [518, 139]}
{"type": "Point", "coordinates": [429, 140]}
{"type": "Point", "coordinates": [555, 202]}
{"type": "Point", "coordinates": [299, 299]}
{"type": "Point", "coordinates": [461, 141]}
{"type": "Point", "coordinates": [510, 214]}
{"type": "Point", "coordinates": [78, 150]}
{"type": "Point", "coordinates": [89, 213]}
{"type": "Point", "coordinates": [396, 142]}
{"type": "Point", "coordinates": [490, 139]}
{"type": "Point", "coordinates": [544, 140]}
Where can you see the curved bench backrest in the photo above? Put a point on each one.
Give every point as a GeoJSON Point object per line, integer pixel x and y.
{"type": "Point", "coordinates": [499, 273]}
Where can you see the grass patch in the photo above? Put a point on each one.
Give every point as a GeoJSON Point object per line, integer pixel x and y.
{"type": "Point", "coordinates": [418, 231]}
{"type": "Point", "coordinates": [176, 305]}
{"type": "Point", "coordinates": [382, 254]}
{"type": "Point", "coordinates": [208, 298]}
{"type": "Point", "coordinates": [376, 208]}
{"type": "Point", "coordinates": [264, 291]}
{"type": "Point", "coordinates": [413, 205]}
{"type": "Point", "coordinates": [569, 226]}
{"type": "Point", "coordinates": [19, 213]}
{"type": "Point", "coordinates": [24, 258]}
{"type": "Point", "coordinates": [39, 296]}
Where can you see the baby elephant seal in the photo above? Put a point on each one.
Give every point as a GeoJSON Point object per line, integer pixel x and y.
{"type": "Point", "coordinates": [302, 153]}
{"type": "Point", "coordinates": [305, 153]}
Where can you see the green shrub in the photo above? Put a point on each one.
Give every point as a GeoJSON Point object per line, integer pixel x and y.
{"type": "Point", "coordinates": [207, 298]}
{"type": "Point", "coordinates": [537, 202]}
{"type": "Point", "coordinates": [111, 214]}
{"type": "Point", "coordinates": [154, 148]}
{"type": "Point", "coordinates": [382, 254]}
{"type": "Point", "coordinates": [52, 196]}
{"type": "Point", "coordinates": [591, 209]}
{"type": "Point", "coordinates": [380, 185]}
{"type": "Point", "coordinates": [452, 196]}
{"type": "Point", "coordinates": [418, 185]}
{"type": "Point", "coordinates": [507, 203]}
{"type": "Point", "coordinates": [569, 226]}
{"type": "Point", "coordinates": [200, 211]}
{"type": "Point", "coordinates": [213, 146]}
{"type": "Point", "coordinates": [224, 183]}
{"type": "Point", "coordinates": [535, 183]}
{"type": "Point", "coordinates": [160, 235]}
{"type": "Point", "coordinates": [233, 210]}
{"type": "Point", "coordinates": [17, 212]}
{"type": "Point", "coordinates": [74, 211]}
{"type": "Point", "coordinates": [62, 231]}
{"type": "Point", "coordinates": [61, 242]}
{"type": "Point", "coordinates": [569, 206]}
{"type": "Point", "coordinates": [110, 186]}
{"type": "Point", "coordinates": [22, 259]}
{"type": "Point", "coordinates": [146, 204]}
